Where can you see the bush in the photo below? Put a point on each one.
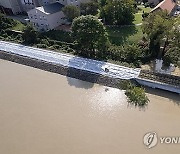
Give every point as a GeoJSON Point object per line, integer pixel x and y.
{"type": "Point", "coordinates": [6, 23]}
{"type": "Point", "coordinates": [41, 46]}
{"type": "Point", "coordinates": [56, 46]}
{"type": "Point", "coordinates": [30, 35]}
{"type": "Point", "coordinates": [172, 56]}
{"type": "Point", "coordinates": [71, 12]}
{"type": "Point", "coordinates": [125, 84]}
{"type": "Point", "coordinates": [89, 8]}
{"type": "Point", "coordinates": [144, 15]}
{"type": "Point", "coordinates": [136, 95]}
{"type": "Point", "coordinates": [45, 41]}
{"type": "Point", "coordinates": [58, 35]}
{"type": "Point", "coordinates": [132, 53]}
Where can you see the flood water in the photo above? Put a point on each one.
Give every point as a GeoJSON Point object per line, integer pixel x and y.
{"type": "Point", "coordinates": [46, 113]}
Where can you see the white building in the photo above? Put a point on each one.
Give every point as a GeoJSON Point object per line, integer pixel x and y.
{"type": "Point", "coordinates": [10, 6]}
{"type": "Point", "coordinates": [47, 17]}
{"type": "Point", "coordinates": [19, 6]}
{"type": "Point", "coordinates": [50, 14]}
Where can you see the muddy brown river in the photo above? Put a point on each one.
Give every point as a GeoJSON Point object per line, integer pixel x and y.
{"type": "Point", "coordinates": [46, 113]}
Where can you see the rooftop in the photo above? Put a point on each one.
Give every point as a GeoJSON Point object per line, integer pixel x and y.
{"type": "Point", "coordinates": [166, 5]}
{"type": "Point", "coordinates": [51, 8]}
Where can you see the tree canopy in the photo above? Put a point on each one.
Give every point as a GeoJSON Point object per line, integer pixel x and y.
{"type": "Point", "coordinates": [159, 28]}
{"type": "Point", "coordinates": [90, 34]}
{"type": "Point", "coordinates": [5, 22]}
{"type": "Point", "coordinates": [30, 34]}
{"type": "Point", "coordinates": [71, 12]}
{"type": "Point", "coordinates": [89, 8]}
{"type": "Point", "coordinates": [118, 12]}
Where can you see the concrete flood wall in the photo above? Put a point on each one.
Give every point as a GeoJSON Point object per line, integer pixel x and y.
{"type": "Point", "coordinates": [158, 85]}
{"type": "Point", "coordinates": [60, 69]}
{"type": "Point", "coordinates": [81, 74]}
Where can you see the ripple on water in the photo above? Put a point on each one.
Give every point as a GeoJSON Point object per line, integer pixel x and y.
{"type": "Point", "coordinates": [107, 101]}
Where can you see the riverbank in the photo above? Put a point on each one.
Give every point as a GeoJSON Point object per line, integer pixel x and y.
{"type": "Point", "coordinates": [85, 69]}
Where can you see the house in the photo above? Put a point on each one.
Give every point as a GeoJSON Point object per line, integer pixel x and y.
{"type": "Point", "coordinates": [50, 15]}
{"type": "Point", "coordinates": [18, 6]}
{"type": "Point", "coordinates": [10, 6]}
{"type": "Point", "coordinates": [168, 5]}
{"type": "Point", "coordinates": [154, 2]}
{"type": "Point", "coordinates": [47, 17]}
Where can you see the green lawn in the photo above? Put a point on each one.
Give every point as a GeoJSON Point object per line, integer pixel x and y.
{"type": "Point", "coordinates": [127, 34]}
{"type": "Point", "coordinates": [145, 9]}
{"type": "Point", "coordinates": [138, 15]}
{"type": "Point", "coordinates": [138, 18]}
{"type": "Point", "coordinates": [19, 26]}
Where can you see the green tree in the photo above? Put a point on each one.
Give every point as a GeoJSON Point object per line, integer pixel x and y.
{"type": "Point", "coordinates": [137, 96]}
{"type": "Point", "coordinates": [102, 2]}
{"type": "Point", "coordinates": [71, 12]}
{"type": "Point", "coordinates": [30, 35]}
{"type": "Point", "coordinates": [158, 26]}
{"type": "Point", "coordinates": [172, 55]}
{"type": "Point", "coordinates": [6, 23]}
{"type": "Point", "coordinates": [118, 12]}
{"type": "Point", "coordinates": [90, 35]}
{"type": "Point", "coordinates": [89, 8]}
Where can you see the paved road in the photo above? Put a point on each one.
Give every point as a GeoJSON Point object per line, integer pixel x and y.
{"type": "Point", "coordinates": [95, 66]}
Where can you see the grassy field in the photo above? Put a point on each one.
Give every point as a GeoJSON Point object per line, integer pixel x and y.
{"type": "Point", "coordinates": [127, 34]}
{"type": "Point", "coordinates": [138, 15]}
{"type": "Point", "coordinates": [145, 9]}
{"type": "Point", "coordinates": [19, 26]}
{"type": "Point", "coordinates": [138, 18]}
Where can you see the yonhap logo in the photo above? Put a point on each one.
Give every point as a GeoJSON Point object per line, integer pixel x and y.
{"type": "Point", "coordinates": [150, 139]}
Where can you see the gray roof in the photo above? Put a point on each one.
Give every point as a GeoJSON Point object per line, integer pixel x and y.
{"type": "Point", "coordinates": [51, 8]}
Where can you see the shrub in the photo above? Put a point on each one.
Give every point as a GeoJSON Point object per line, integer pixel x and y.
{"type": "Point", "coordinates": [42, 46]}
{"type": "Point", "coordinates": [6, 23]}
{"type": "Point", "coordinates": [30, 35]}
{"type": "Point", "coordinates": [44, 41]}
{"type": "Point", "coordinates": [56, 46]}
{"type": "Point", "coordinates": [137, 96]}
{"type": "Point", "coordinates": [58, 35]}
{"type": "Point", "coordinates": [132, 53]}
{"type": "Point", "coordinates": [144, 15]}
{"type": "Point", "coordinates": [89, 8]}
{"type": "Point", "coordinates": [172, 56]}
{"type": "Point", "coordinates": [71, 12]}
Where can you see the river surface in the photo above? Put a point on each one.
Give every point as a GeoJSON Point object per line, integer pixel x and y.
{"type": "Point", "coordinates": [46, 113]}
